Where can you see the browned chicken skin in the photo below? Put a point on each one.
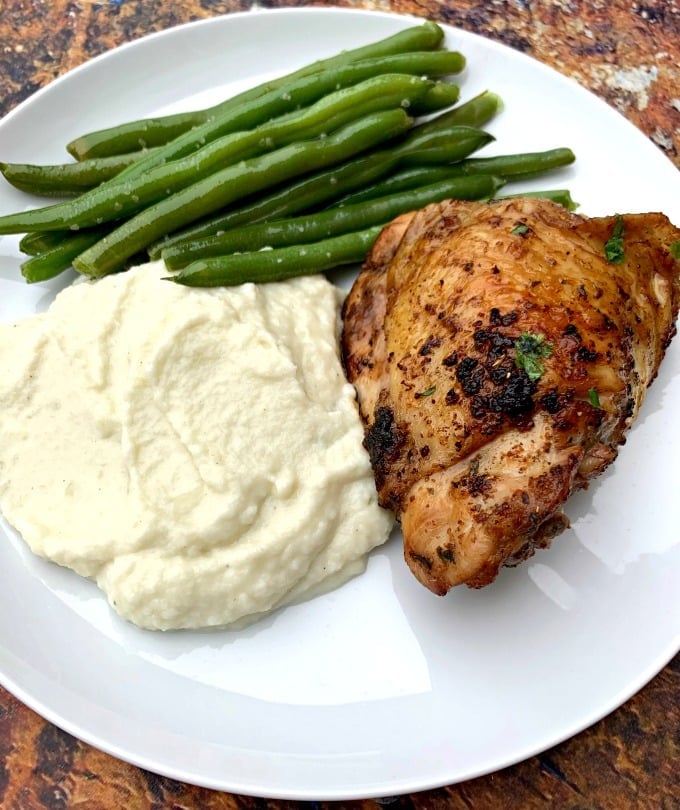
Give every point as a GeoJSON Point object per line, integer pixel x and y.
{"type": "Point", "coordinates": [474, 454]}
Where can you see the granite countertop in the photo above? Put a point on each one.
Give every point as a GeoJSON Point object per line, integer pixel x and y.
{"type": "Point", "coordinates": [628, 53]}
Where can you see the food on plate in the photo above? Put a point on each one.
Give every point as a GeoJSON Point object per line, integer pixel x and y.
{"type": "Point", "coordinates": [259, 123]}
{"type": "Point", "coordinates": [333, 221]}
{"type": "Point", "coordinates": [507, 167]}
{"type": "Point", "coordinates": [500, 351]}
{"type": "Point", "coordinates": [67, 179]}
{"type": "Point", "coordinates": [126, 197]}
{"type": "Point", "coordinates": [440, 141]}
{"type": "Point", "coordinates": [307, 244]}
{"type": "Point", "coordinates": [196, 453]}
{"type": "Point", "coordinates": [157, 131]}
{"type": "Point", "coordinates": [437, 142]}
{"type": "Point", "coordinates": [234, 183]}
{"type": "Point", "coordinates": [183, 158]}
{"type": "Point", "coordinates": [287, 147]}
{"type": "Point", "coordinates": [235, 252]}
{"type": "Point", "coordinates": [175, 392]}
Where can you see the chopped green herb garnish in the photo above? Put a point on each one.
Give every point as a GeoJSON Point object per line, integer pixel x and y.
{"type": "Point", "coordinates": [674, 248]}
{"type": "Point", "coordinates": [613, 247]}
{"type": "Point", "coordinates": [520, 230]}
{"type": "Point", "coordinates": [427, 392]}
{"type": "Point", "coordinates": [529, 351]}
{"type": "Point", "coordinates": [594, 397]}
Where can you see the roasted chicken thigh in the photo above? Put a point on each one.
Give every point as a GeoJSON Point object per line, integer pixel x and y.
{"type": "Point", "coordinates": [499, 352]}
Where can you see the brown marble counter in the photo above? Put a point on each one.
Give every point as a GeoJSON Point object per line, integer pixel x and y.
{"type": "Point", "coordinates": [626, 52]}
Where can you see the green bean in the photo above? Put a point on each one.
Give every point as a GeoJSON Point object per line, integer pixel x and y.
{"type": "Point", "coordinates": [561, 196]}
{"type": "Point", "coordinates": [437, 146]}
{"type": "Point", "coordinates": [66, 179]}
{"type": "Point", "coordinates": [279, 264]}
{"type": "Point", "coordinates": [119, 200]}
{"type": "Point", "coordinates": [56, 259]}
{"type": "Point", "coordinates": [523, 164]}
{"type": "Point", "coordinates": [157, 131]}
{"type": "Point", "coordinates": [475, 112]}
{"type": "Point", "coordinates": [411, 177]}
{"type": "Point", "coordinates": [123, 139]}
{"type": "Point", "coordinates": [442, 95]}
{"type": "Point", "coordinates": [333, 222]}
{"type": "Point", "coordinates": [37, 242]}
{"type": "Point", "coordinates": [234, 183]}
{"type": "Point", "coordinates": [515, 166]}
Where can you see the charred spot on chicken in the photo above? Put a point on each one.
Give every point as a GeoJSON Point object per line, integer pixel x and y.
{"type": "Point", "coordinates": [497, 368]}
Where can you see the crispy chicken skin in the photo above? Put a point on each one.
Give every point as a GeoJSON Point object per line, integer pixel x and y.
{"type": "Point", "coordinates": [475, 455]}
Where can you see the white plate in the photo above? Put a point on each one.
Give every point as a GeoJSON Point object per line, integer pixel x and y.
{"type": "Point", "coordinates": [378, 688]}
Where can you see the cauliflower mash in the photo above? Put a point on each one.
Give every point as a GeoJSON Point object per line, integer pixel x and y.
{"type": "Point", "coordinates": [197, 453]}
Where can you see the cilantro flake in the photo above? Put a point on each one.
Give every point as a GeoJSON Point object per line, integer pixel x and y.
{"type": "Point", "coordinates": [613, 247]}
{"type": "Point", "coordinates": [594, 397]}
{"type": "Point", "coordinates": [674, 248]}
{"type": "Point", "coordinates": [427, 392]}
{"type": "Point", "coordinates": [529, 351]}
{"type": "Point", "coordinates": [520, 229]}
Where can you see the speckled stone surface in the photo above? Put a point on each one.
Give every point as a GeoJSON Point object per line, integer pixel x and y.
{"type": "Point", "coordinates": [626, 52]}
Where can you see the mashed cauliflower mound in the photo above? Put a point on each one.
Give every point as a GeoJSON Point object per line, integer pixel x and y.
{"type": "Point", "coordinates": [198, 453]}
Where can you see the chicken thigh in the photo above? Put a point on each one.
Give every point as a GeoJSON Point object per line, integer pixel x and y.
{"type": "Point", "coordinates": [499, 352]}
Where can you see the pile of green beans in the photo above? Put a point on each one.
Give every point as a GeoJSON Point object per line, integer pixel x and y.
{"type": "Point", "coordinates": [331, 222]}
{"type": "Point", "coordinates": [253, 114]}
{"type": "Point", "coordinates": [116, 200]}
{"type": "Point", "coordinates": [148, 132]}
{"type": "Point", "coordinates": [316, 191]}
{"type": "Point", "coordinates": [233, 183]}
{"type": "Point", "coordinates": [310, 166]}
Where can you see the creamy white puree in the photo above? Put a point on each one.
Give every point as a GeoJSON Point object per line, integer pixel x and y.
{"type": "Point", "coordinates": [198, 453]}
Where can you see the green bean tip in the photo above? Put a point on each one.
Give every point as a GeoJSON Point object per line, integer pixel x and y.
{"type": "Point", "coordinates": [497, 101]}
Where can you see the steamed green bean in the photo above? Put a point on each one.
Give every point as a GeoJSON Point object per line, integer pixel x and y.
{"type": "Point", "coordinates": [279, 264]}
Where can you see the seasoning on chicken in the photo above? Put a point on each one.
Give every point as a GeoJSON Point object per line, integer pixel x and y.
{"type": "Point", "coordinates": [500, 351]}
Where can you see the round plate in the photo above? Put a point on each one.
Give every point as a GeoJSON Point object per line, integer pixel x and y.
{"type": "Point", "coordinates": [380, 687]}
